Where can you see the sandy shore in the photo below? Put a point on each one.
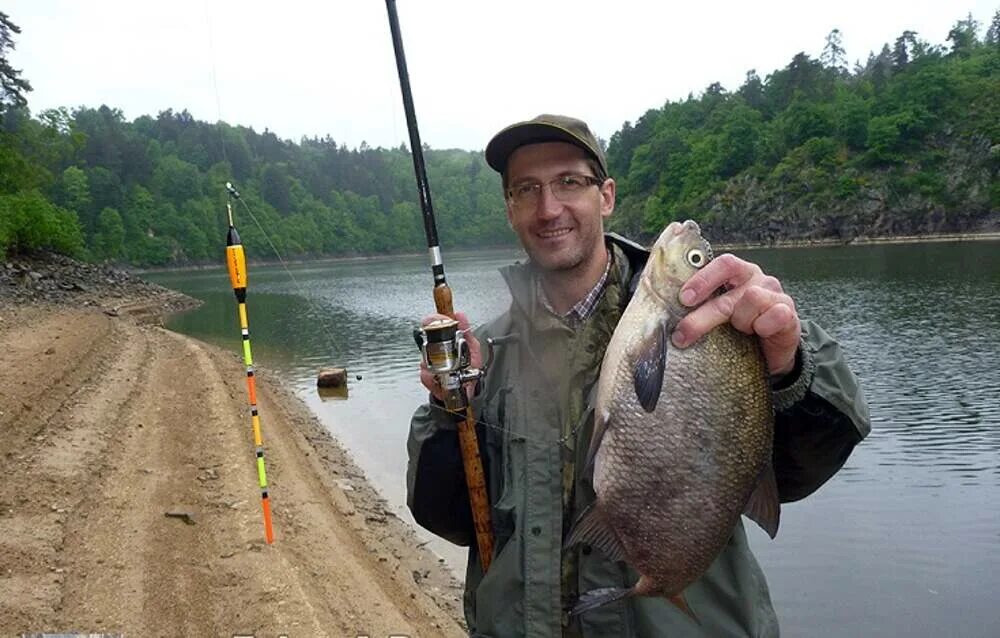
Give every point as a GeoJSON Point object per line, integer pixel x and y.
{"type": "Point", "coordinates": [109, 421]}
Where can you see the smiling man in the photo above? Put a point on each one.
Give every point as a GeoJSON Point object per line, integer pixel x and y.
{"type": "Point", "coordinates": [536, 407]}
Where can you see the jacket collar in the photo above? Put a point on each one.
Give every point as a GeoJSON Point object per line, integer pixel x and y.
{"type": "Point", "coordinates": [629, 260]}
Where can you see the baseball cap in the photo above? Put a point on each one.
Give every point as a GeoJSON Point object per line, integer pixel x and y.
{"type": "Point", "coordinates": [544, 128]}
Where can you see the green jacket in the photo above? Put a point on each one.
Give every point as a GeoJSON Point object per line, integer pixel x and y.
{"type": "Point", "coordinates": [535, 410]}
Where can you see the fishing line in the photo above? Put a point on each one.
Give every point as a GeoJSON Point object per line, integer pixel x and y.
{"type": "Point", "coordinates": [332, 344]}
{"type": "Point", "coordinates": [542, 443]}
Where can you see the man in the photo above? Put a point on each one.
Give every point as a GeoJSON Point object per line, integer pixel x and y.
{"type": "Point", "coordinates": [536, 407]}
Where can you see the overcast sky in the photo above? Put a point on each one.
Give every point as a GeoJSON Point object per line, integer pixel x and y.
{"type": "Point", "coordinates": [318, 68]}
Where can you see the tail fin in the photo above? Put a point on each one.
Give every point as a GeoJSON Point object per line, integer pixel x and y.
{"type": "Point", "coordinates": [600, 597]}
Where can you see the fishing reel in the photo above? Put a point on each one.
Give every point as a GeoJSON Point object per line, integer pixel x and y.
{"type": "Point", "coordinates": [446, 353]}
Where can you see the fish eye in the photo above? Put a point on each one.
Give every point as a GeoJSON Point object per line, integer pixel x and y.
{"type": "Point", "coordinates": [696, 258]}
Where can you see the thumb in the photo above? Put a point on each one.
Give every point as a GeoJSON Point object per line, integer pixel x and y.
{"type": "Point", "coordinates": [463, 320]}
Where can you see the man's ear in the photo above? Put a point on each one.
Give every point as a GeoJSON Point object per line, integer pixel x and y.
{"type": "Point", "coordinates": [608, 189]}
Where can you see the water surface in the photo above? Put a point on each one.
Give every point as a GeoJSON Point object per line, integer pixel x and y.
{"type": "Point", "coordinates": [905, 540]}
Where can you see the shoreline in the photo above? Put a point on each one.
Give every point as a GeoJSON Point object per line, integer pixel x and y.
{"type": "Point", "coordinates": [150, 421]}
{"type": "Point", "coordinates": [864, 241]}
{"type": "Point", "coordinates": [781, 243]}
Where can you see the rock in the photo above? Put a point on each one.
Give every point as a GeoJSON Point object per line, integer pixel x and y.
{"type": "Point", "coordinates": [187, 517]}
{"type": "Point", "coordinates": [332, 378]}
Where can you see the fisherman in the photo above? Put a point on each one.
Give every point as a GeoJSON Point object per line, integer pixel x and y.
{"type": "Point", "coordinates": [536, 406]}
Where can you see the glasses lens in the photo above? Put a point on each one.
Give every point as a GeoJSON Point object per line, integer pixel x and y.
{"type": "Point", "coordinates": [565, 188]}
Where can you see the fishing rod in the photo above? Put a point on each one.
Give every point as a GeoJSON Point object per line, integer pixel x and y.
{"type": "Point", "coordinates": [444, 348]}
{"type": "Point", "coordinates": [237, 263]}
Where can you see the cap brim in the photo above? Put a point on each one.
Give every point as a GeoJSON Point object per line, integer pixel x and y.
{"type": "Point", "coordinates": [513, 137]}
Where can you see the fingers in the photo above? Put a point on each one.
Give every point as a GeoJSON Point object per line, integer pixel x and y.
{"type": "Point", "coordinates": [475, 350]}
{"type": "Point", "coordinates": [754, 304]}
{"type": "Point", "coordinates": [703, 319]}
{"type": "Point", "coordinates": [724, 271]}
{"type": "Point", "coordinates": [429, 382]}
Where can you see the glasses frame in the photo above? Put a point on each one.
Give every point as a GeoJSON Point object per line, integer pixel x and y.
{"type": "Point", "coordinates": [536, 190]}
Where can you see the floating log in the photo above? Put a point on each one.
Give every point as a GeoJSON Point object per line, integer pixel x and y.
{"type": "Point", "coordinates": [332, 378]}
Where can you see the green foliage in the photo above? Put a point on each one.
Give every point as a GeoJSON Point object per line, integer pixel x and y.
{"type": "Point", "coordinates": [12, 86]}
{"type": "Point", "coordinates": [28, 221]}
{"type": "Point", "coordinates": [914, 128]}
{"type": "Point", "coordinates": [109, 240]}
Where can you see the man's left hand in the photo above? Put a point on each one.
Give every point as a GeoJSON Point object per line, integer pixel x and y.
{"type": "Point", "coordinates": [754, 303]}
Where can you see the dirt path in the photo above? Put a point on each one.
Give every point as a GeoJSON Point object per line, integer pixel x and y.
{"type": "Point", "coordinates": [107, 424]}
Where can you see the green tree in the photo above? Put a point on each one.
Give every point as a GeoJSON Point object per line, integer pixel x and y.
{"type": "Point", "coordinates": [12, 85]}
{"type": "Point", "coordinates": [834, 56]}
{"type": "Point", "coordinates": [963, 36]}
{"type": "Point", "coordinates": [74, 191]}
{"type": "Point", "coordinates": [28, 221]}
{"type": "Point", "coordinates": [109, 239]}
{"type": "Point", "coordinates": [993, 31]}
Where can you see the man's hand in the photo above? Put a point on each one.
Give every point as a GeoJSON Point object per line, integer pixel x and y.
{"type": "Point", "coordinates": [475, 355]}
{"type": "Point", "coordinates": [754, 303]}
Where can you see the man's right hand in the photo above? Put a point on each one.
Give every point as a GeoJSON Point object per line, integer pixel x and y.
{"type": "Point", "coordinates": [475, 355]}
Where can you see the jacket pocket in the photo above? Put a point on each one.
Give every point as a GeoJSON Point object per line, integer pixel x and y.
{"type": "Point", "coordinates": [497, 462]}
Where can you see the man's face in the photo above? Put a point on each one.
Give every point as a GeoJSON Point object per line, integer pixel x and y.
{"type": "Point", "coordinates": [558, 235]}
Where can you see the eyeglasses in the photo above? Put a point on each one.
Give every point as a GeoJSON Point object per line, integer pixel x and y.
{"type": "Point", "coordinates": [565, 188]}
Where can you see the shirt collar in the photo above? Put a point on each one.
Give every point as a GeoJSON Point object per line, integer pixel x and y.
{"type": "Point", "coordinates": [583, 308]}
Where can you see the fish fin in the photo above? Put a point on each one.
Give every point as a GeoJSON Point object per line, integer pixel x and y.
{"type": "Point", "coordinates": [599, 597]}
{"type": "Point", "coordinates": [681, 604]}
{"type": "Point", "coordinates": [764, 507]}
{"type": "Point", "coordinates": [649, 367]}
{"type": "Point", "coordinates": [592, 528]}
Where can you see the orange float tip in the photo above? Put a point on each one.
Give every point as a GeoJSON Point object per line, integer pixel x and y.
{"type": "Point", "coordinates": [268, 530]}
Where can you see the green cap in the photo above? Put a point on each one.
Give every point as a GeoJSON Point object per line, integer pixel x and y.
{"type": "Point", "coordinates": [544, 128]}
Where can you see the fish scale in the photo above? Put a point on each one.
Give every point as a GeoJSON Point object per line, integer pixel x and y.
{"type": "Point", "coordinates": [673, 478]}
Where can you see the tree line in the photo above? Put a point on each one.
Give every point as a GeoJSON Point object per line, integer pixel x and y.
{"type": "Point", "coordinates": [906, 142]}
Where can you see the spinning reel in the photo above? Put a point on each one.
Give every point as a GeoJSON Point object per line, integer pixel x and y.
{"type": "Point", "coordinates": [446, 353]}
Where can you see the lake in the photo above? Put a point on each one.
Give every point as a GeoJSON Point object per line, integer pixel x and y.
{"type": "Point", "coordinates": [905, 540]}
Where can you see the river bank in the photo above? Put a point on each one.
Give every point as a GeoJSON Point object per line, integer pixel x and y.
{"type": "Point", "coordinates": [110, 422]}
{"type": "Point", "coordinates": [781, 243]}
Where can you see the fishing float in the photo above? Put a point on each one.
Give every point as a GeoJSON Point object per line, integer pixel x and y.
{"type": "Point", "coordinates": [237, 264]}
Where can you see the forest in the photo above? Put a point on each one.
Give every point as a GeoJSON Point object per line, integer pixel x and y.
{"type": "Point", "coordinates": [907, 142]}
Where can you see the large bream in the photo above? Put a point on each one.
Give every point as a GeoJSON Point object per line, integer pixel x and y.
{"type": "Point", "coordinates": [682, 439]}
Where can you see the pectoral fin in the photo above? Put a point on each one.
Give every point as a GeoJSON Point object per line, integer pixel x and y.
{"type": "Point", "coordinates": [764, 508]}
{"type": "Point", "coordinates": [649, 367]}
{"type": "Point", "coordinates": [598, 598]}
{"type": "Point", "coordinates": [592, 528]}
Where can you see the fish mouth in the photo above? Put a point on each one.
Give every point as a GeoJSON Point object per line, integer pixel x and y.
{"type": "Point", "coordinates": [691, 226]}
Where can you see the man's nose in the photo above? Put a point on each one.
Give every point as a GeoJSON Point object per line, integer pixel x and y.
{"type": "Point", "coordinates": [548, 206]}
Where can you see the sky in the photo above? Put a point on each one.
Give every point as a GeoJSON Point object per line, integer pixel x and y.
{"type": "Point", "coordinates": [316, 68]}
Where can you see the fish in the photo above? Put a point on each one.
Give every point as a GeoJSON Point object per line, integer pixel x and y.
{"type": "Point", "coordinates": [682, 442]}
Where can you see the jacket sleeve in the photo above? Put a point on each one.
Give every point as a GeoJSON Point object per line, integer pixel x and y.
{"type": "Point", "coordinates": [820, 415]}
{"type": "Point", "coordinates": [435, 478]}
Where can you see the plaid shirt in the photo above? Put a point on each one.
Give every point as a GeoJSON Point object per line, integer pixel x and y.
{"type": "Point", "coordinates": [582, 310]}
